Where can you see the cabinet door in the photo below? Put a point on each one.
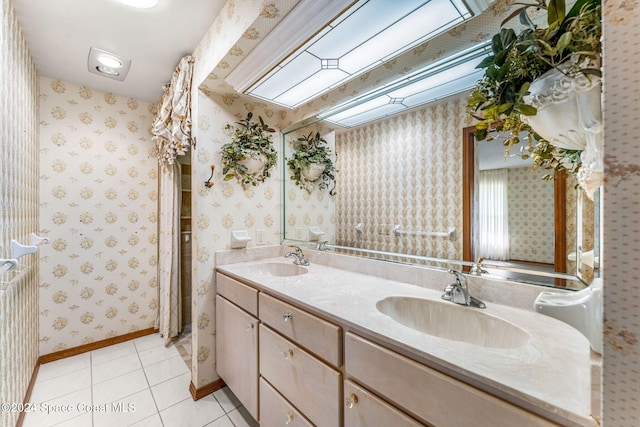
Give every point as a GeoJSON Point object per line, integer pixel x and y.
{"type": "Point", "coordinates": [237, 352]}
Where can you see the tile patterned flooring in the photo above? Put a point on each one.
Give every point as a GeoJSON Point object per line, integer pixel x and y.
{"type": "Point", "coordinates": [136, 383]}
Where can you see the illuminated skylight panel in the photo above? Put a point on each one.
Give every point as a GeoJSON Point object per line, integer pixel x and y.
{"type": "Point", "coordinates": [361, 108]}
{"type": "Point", "coordinates": [307, 89]}
{"type": "Point", "coordinates": [444, 78]}
{"type": "Point", "coordinates": [367, 116]}
{"type": "Point", "coordinates": [453, 73]}
{"type": "Point", "coordinates": [443, 90]}
{"type": "Point", "coordinates": [370, 32]}
{"type": "Point", "coordinates": [291, 74]}
{"type": "Point", "coordinates": [365, 23]}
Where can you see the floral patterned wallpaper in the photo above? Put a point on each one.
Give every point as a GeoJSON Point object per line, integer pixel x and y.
{"type": "Point", "coordinates": [218, 210]}
{"type": "Point", "coordinates": [18, 211]}
{"type": "Point", "coordinates": [621, 208]}
{"type": "Point", "coordinates": [404, 170]}
{"type": "Point", "coordinates": [530, 209]}
{"type": "Point", "coordinates": [305, 209]}
{"type": "Point", "coordinates": [227, 206]}
{"type": "Point", "coordinates": [98, 205]}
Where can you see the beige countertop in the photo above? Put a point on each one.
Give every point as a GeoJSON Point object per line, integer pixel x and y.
{"type": "Point", "coordinates": [549, 375]}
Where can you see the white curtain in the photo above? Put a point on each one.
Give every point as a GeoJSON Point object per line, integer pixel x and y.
{"type": "Point", "coordinates": [172, 133]}
{"type": "Point", "coordinates": [170, 316]}
{"type": "Point", "coordinates": [493, 214]}
{"type": "Point", "coordinates": [172, 124]}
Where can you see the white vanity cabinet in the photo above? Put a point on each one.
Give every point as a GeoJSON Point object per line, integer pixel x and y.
{"type": "Point", "coordinates": [291, 366]}
{"type": "Point", "coordinates": [237, 341]}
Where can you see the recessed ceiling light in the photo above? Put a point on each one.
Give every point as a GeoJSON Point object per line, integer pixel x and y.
{"type": "Point", "coordinates": [109, 61]}
{"type": "Point", "coordinates": [140, 4]}
{"type": "Point", "coordinates": [107, 64]}
{"type": "Point", "coordinates": [107, 70]}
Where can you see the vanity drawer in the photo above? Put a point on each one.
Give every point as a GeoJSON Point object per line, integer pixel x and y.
{"type": "Point", "coordinates": [309, 384]}
{"type": "Point", "coordinates": [428, 394]}
{"type": "Point", "coordinates": [275, 410]}
{"type": "Point", "coordinates": [363, 409]}
{"type": "Point", "coordinates": [317, 335]}
{"type": "Point", "coordinates": [238, 293]}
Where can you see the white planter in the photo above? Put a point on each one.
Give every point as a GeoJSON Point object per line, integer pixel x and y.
{"type": "Point", "coordinates": [570, 117]}
{"type": "Point", "coordinates": [313, 171]}
{"type": "Point", "coordinates": [254, 162]}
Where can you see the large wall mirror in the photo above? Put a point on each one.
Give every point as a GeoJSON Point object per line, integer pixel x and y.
{"type": "Point", "coordinates": [407, 189]}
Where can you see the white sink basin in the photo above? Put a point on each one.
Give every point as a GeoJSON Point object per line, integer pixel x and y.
{"type": "Point", "coordinates": [453, 322]}
{"type": "Point", "coordinates": [278, 269]}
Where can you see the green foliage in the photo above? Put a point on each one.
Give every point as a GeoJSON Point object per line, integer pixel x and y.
{"type": "Point", "coordinates": [307, 150]}
{"type": "Point", "coordinates": [570, 43]}
{"type": "Point", "coordinates": [248, 139]}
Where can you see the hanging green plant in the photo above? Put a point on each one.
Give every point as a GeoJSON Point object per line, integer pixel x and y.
{"type": "Point", "coordinates": [250, 155]}
{"type": "Point", "coordinates": [311, 165]}
{"type": "Point", "coordinates": [503, 101]}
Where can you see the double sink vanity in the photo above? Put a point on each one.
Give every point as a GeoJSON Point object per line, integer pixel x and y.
{"type": "Point", "coordinates": [348, 342]}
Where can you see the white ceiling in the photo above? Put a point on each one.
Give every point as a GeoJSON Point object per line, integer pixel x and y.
{"type": "Point", "coordinates": [59, 34]}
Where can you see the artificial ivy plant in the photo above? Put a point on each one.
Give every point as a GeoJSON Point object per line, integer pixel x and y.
{"type": "Point", "coordinates": [307, 151]}
{"type": "Point", "coordinates": [249, 140]}
{"type": "Point", "coordinates": [571, 43]}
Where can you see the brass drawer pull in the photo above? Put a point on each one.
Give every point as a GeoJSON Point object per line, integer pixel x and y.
{"type": "Point", "coordinates": [351, 401]}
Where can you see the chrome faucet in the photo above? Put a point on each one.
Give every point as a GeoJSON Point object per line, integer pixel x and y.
{"type": "Point", "coordinates": [322, 246]}
{"type": "Point", "coordinates": [298, 255]}
{"type": "Point", "coordinates": [458, 292]}
{"type": "Point", "coordinates": [477, 269]}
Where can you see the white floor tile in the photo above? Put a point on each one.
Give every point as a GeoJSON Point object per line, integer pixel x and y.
{"type": "Point", "coordinates": [227, 399]}
{"type": "Point", "coordinates": [192, 414]}
{"type": "Point", "coordinates": [172, 391]}
{"type": "Point", "coordinates": [64, 366]}
{"type": "Point", "coordinates": [157, 354]}
{"type": "Point", "coordinates": [115, 368]}
{"type": "Point", "coordinates": [242, 418]}
{"type": "Point", "coordinates": [152, 421]}
{"type": "Point", "coordinates": [119, 387]}
{"type": "Point", "coordinates": [61, 385]}
{"type": "Point", "coordinates": [221, 422]}
{"type": "Point", "coordinates": [136, 407]}
{"type": "Point", "coordinates": [112, 352]}
{"type": "Point", "coordinates": [148, 341]}
{"type": "Point", "coordinates": [56, 414]}
{"type": "Point", "coordinates": [165, 370]}
{"type": "Point", "coordinates": [84, 420]}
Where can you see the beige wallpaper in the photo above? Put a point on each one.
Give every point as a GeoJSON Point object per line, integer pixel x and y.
{"type": "Point", "coordinates": [18, 211]}
{"type": "Point", "coordinates": [306, 209]}
{"type": "Point", "coordinates": [98, 205]}
{"type": "Point", "coordinates": [531, 223]}
{"type": "Point", "coordinates": [227, 206]}
{"type": "Point", "coordinates": [403, 171]}
{"type": "Point", "coordinates": [218, 210]}
{"type": "Point", "coordinates": [621, 212]}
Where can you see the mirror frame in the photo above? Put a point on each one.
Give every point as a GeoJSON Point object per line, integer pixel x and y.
{"type": "Point", "coordinates": [559, 208]}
